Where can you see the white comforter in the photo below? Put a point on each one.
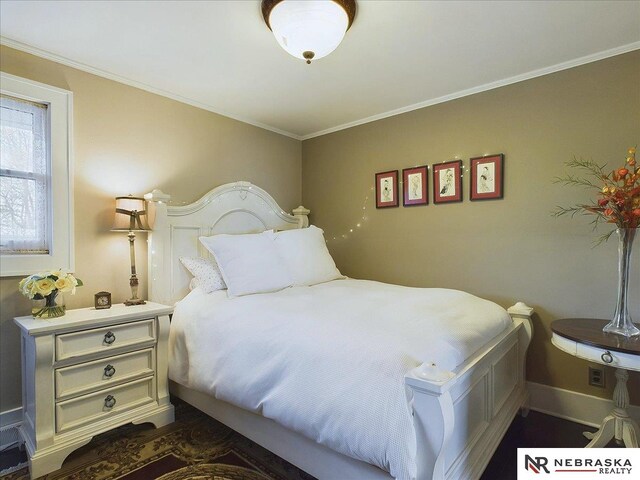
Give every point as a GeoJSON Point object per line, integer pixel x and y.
{"type": "Point", "coordinates": [328, 361]}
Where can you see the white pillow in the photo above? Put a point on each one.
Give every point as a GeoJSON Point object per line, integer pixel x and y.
{"type": "Point", "coordinates": [306, 256]}
{"type": "Point", "coordinates": [249, 263]}
{"type": "Point", "coordinates": [206, 273]}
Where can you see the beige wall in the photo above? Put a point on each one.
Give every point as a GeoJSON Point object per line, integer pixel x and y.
{"type": "Point", "coordinates": [505, 250]}
{"type": "Point", "coordinates": [130, 141]}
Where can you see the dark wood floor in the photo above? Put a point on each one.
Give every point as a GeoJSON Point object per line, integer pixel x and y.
{"type": "Point", "coordinates": [536, 430]}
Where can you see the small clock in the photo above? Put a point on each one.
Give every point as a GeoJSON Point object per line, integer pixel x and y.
{"type": "Point", "coordinates": [102, 300]}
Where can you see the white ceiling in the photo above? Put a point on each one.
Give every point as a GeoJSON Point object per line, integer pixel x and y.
{"type": "Point", "coordinates": [397, 56]}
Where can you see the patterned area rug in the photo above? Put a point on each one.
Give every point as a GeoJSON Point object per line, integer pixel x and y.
{"type": "Point", "coordinates": [194, 447]}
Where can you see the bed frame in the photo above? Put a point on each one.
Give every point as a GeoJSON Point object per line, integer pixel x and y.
{"type": "Point", "coordinates": [475, 404]}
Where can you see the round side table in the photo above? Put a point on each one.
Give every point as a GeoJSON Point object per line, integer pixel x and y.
{"type": "Point", "coordinates": [584, 338]}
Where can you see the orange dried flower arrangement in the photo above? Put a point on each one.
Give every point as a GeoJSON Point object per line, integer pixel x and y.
{"type": "Point", "coordinates": [618, 200]}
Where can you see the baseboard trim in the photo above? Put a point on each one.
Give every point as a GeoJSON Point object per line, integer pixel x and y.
{"type": "Point", "coordinates": [10, 417]}
{"type": "Point", "coordinates": [574, 406]}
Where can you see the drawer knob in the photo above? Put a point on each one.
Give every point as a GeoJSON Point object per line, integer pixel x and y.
{"type": "Point", "coordinates": [109, 371]}
{"type": "Point", "coordinates": [607, 357]}
{"type": "Point", "coordinates": [109, 401]}
{"type": "Point", "coordinates": [109, 338]}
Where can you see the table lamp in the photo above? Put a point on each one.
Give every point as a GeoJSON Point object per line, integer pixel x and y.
{"type": "Point", "coordinates": [131, 216]}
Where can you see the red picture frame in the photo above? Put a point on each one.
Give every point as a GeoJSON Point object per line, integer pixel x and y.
{"type": "Point", "coordinates": [387, 189]}
{"type": "Point", "coordinates": [447, 182]}
{"type": "Point", "coordinates": [415, 186]}
{"type": "Point", "coordinates": [487, 177]}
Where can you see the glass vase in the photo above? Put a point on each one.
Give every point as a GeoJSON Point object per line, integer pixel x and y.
{"type": "Point", "coordinates": [51, 306]}
{"type": "Point", "coordinates": [622, 324]}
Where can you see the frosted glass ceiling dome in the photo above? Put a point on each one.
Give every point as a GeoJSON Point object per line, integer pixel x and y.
{"type": "Point", "coordinates": [309, 29]}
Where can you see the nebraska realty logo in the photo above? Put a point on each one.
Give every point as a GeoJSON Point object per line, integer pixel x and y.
{"type": "Point", "coordinates": [582, 463]}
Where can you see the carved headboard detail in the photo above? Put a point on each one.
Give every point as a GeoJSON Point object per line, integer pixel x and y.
{"type": "Point", "coordinates": [235, 208]}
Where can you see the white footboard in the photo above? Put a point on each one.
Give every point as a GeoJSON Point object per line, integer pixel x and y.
{"type": "Point", "coordinates": [476, 404]}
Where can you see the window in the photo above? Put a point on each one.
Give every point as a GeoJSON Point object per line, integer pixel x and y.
{"type": "Point", "coordinates": [24, 177]}
{"type": "Point", "coordinates": [36, 220]}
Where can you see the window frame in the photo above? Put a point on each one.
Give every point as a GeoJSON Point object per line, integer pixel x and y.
{"type": "Point", "coordinates": [60, 137]}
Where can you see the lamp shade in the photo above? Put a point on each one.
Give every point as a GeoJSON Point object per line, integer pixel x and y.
{"type": "Point", "coordinates": [309, 29]}
{"type": "Point", "coordinates": [131, 214]}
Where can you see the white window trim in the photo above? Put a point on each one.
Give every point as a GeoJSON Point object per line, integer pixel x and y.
{"type": "Point", "coordinates": [61, 254]}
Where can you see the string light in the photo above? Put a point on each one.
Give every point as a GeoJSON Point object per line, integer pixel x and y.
{"type": "Point", "coordinates": [363, 218]}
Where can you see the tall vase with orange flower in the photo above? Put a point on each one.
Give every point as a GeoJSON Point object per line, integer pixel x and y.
{"type": "Point", "coordinates": [617, 203]}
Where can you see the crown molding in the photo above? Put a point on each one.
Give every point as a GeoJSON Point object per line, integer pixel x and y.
{"type": "Point", "coordinates": [38, 52]}
{"type": "Point", "coordinates": [483, 88]}
{"type": "Point", "coordinates": [445, 98]}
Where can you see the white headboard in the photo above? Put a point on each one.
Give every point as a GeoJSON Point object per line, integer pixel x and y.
{"type": "Point", "coordinates": [238, 207]}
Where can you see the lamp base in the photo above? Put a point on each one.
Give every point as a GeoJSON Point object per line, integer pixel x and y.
{"type": "Point", "coordinates": [134, 301]}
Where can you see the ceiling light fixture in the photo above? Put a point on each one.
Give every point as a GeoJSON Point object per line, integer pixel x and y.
{"type": "Point", "coordinates": [309, 29]}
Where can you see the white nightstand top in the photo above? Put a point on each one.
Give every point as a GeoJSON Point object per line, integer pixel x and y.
{"type": "Point", "coordinates": [75, 319]}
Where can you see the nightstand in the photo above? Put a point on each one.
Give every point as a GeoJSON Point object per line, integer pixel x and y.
{"type": "Point", "coordinates": [584, 338]}
{"type": "Point", "coordinates": [88, 372]}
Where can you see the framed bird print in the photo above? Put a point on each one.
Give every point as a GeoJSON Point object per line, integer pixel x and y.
{"type": "Point", "coordinates": [487, 181]}
{"type": "Point", "coordinates": [415, 186]}
{"type": "Point", "coordinates": [447, 182]}
{"type": "Point", "coordinates": [387, 189]}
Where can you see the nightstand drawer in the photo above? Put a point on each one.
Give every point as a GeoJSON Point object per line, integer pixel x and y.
{"type": "Point", "coordinates": [108, 402]}
{"type": "Point", "coordinates": [86, 377]}
{"type": "Point", "coordinates": [89, 372]}
{"type": "Point", "coordinates": [608, 357]}
{"type": "Point", "coordinates": [97, 340]}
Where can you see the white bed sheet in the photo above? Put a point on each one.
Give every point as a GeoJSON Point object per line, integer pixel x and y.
{"type": "Point", "coordinates": [328, 361]}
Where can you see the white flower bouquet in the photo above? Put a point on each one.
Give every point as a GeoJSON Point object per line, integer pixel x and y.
{"type": "Point", "coordinates": [44, 287]}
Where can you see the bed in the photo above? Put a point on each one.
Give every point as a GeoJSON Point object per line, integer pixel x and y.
{"type": "Point", "coordinates": [456, 412]}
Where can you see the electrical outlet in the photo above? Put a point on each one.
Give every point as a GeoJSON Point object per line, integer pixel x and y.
{"type": "Point", "coordinates": [596, 377]}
